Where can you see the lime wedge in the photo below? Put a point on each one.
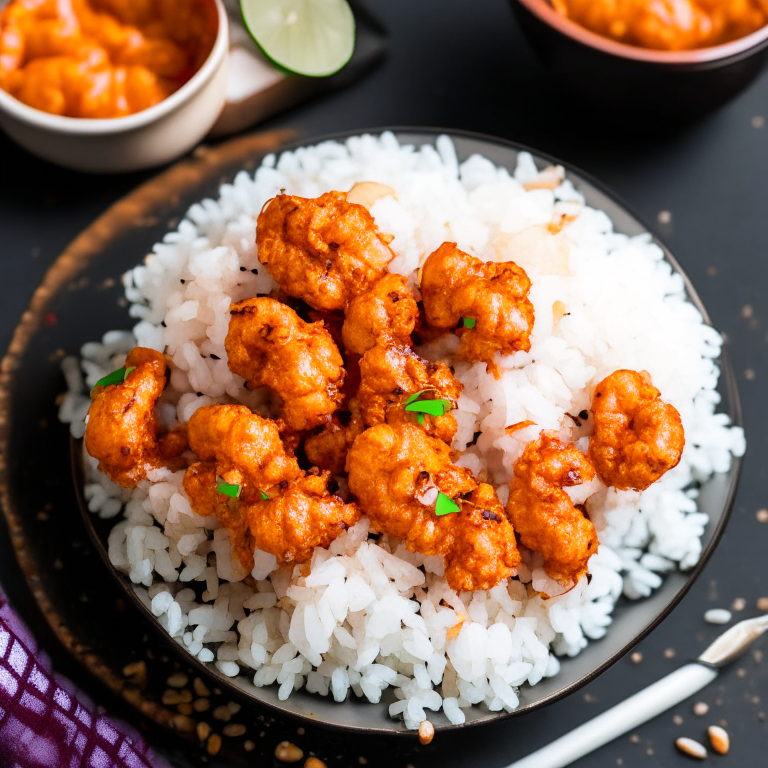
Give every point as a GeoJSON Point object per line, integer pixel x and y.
{"type": "Point", "coordinates": [309, 37]}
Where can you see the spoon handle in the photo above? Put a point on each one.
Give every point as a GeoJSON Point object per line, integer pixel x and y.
{"type": "Point", "coordinates": [634, 711]}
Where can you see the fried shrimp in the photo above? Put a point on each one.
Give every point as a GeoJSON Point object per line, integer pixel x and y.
{"type": "Point", "coordinates": [386, 311]}
{"type": "Point", "coordinates": [490, 298]}
{"type": "Point", "coordinates": [122, 431]}
{"type": "Point", "coordinates": [484, 551]}
{"type": "Point", "coordinates": [396, 474]}
{"type": "Point", "coordinates": [328, 448]}
{"type": "Point", "coordinates": [543, 514]}
{"type": "Point", "coordinates": [301, 517]}
{"type": "Point", "coordinates": [242, 448]}
{"type": "Point", "coordinates": [325, 250]}
{"type": "Point", "coordinates": [390, 374]}
{"type": "Point", "coordinates": [638, 437]}
{"type": "Point", "coordinates": [269, 344]}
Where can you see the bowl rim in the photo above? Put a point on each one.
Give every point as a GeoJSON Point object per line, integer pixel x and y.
{"type": "Point", "coordinates": [84, 126]}
{"type": "Point", "coordinates": [727, 382]}
{"type": "Point", "coordinates": [735, 48]}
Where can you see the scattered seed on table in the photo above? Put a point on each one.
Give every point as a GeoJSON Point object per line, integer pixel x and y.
{"type": "Point", "coordinates": [314, 762]}
{"type": "Point", "coordinates": [249, 745]}
{"type": "Point", "coordinates": [664, 217]}
{"type": "Point", "coordinates": [739, 604]}
{"type": "Point", "coordinates": [670, 653]}
{"type": "Point", "coordinates": [677, 720]}
{"type": "Point", "coordinates": [691, 747]}
{"type": "Point", "coordinates": [185, 709]}
{"type": "Point", "coordinates": [234, 707]}
{"type": "Point", "coordinates": [201, 689]}
{"type": "Point", "coordinates": [177, 680]}
{"type": "Point", "coordinates": [288, 752]}
{"type": "Point", "coordinates": [757, 655]}
{"type": "Point", "coordinates": [649, 751]}
{"type": "Point", "coordinates": [700, 708]}
{"type": "Point", "coordinates": [201, 705]}
{"type": "Point", "coordinates": [362, 760]}
{"type": "Point", "coordinates": [222, 713]}
{"type": "Point", "coordinates": [634, 738]}
{"type": "Point", "coordinates": [758, 121]}
{"type": "Point", "coordinates": [762, 515]}
{"type": "Point", "coordinates": [719, 739]}
{"type": "Point", "coordinates": [717, 616]}
{"type": "Point", "coordinates": [203, 731]}
{"type": "Point", "coordinates": [636, 657]}
{"type": "Point", "coordinates": [741, 672]}
{"type": "Point", "coordinates": [300, 731]}
{"type": "Point", "coordinates": [762, 604]}
{"type": "Point", "coordinates": [426, 732]}
{"type": "Point", "coordinates": [214, 744]}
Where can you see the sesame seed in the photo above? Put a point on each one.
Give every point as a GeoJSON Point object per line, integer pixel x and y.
{"type": "Point", "coordinates": [288, 752]}
{"type": "Point", "coordinates": [233, 730]}
{"type": "Point", "coordinates": [214, 744]}
{"type": "Point", "coordinates": [739, 604]}
{"type": "Point", "coordinates": [636, 657]}
{"type": "Point", "coordinates": [762, 515]}
{"type": "Point", "coordinates": [177, 680]}
{"type": "Point", "coordinates": [700, 708]}
{"type": "Point", "coordinates": [692, 748]}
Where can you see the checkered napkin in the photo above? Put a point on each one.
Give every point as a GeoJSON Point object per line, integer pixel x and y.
{"type": "Point", "coordinates": [45, 722]}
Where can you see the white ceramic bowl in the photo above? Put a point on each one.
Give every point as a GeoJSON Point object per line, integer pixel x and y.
{"type": "Point", "coordinates": [142, 140]}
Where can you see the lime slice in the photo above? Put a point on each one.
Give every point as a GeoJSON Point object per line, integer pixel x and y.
{"type": "Point", "coordinates": [309, 37]}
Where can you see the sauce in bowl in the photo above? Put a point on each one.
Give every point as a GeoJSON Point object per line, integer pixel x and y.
{"type": "Point", "coordinates": [668, 25]}
{"type": "Point", "coordinates": [102, 58]}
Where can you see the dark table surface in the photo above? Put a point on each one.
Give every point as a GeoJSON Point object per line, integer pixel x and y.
{"type": "Point", "coordinates": [704, 187]}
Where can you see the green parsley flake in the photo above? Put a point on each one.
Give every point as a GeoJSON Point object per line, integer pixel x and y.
{"type": "Point", "coordinates": [469, 322]}
{"type": "Point", "coordinates": [264, 496]}
{"type": "Point", "coordinates": [445, 505]}
{"type": "Point", "coordinates": [432, 407]}
{"type": "Point", "coordinates": [228, 489]}
{"type": "Point", "coordinates": [413, 398]}
{"type": "Point", "coordinates": [116, 377]}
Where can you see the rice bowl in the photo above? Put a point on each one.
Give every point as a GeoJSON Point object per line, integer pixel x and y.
{"type": "Point", "coordinates": [631, 556]}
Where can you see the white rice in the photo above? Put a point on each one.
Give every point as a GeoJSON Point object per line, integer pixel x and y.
{"type": "Point", "coordinates": [370, 615]}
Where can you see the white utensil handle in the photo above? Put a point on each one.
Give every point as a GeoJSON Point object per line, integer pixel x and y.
{"type": "Point", "coordinates": [636, 710]}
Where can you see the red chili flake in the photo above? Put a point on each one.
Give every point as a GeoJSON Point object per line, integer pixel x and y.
{"type": "Point", "coordinates": [51, 319]}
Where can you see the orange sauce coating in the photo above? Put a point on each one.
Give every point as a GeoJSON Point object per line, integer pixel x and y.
{"type": "Point", "coordinates": [668, 25]}
{"type": "Point", "coordinates": [102, 58]}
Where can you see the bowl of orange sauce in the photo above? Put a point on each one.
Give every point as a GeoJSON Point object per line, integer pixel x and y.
{"type": "Point", "coordinates": [111, 85]}
{"type": "Point", "coordinates": [659, 58]}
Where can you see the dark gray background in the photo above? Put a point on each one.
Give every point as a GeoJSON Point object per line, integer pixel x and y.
{"type": "Point", "coordinates": [463, 64]}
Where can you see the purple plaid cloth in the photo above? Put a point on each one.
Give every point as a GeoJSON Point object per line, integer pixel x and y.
{"type": "Point", "coordinates": [45, 722]}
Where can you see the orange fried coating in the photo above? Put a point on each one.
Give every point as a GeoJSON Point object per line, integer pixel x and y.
{"type": "Point", "coordinates": [304, 515]}
{"type": "Point", "coordinates": [328, 448]}
{"type": "Point", "coordinates": [542, 512]}
{"type": "Point", "coordinates": [391, 373]}
{"type": "Point", "coordinates": [245, 449]}
{"type": "Point", "coordinates": [325, 250]}
{"type": "Point", "coordinates": [455, 285]}
{"type": "Point", "coordinates": [122, 432]}
{"type": "Point", "coordinates": [386, 311]}
{"type": "Point", "coordinates": [638, 437]}
{"type": "Point", "coordinates": [484, 550]}
{"type": "Point", "coordinates": [395, 473]}
{"type": "Point", "coordinates": [269, 344]}
{"type": "Point", "coordinates": [200, 481]}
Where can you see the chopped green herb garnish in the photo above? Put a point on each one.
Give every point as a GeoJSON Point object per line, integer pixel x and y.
{"type": "Point", "coordinates": [469, 322]}
{"type": "Point", "coordinates": [432, 407]}
{"type": "Point", "coordinates": [128, 372]}
{"type": "Point", "coordinates": [228, 489]}
{"type": "Point", "coordinates": [420, 418]}
{"type": "Point", "coordinates": [413, 398]}
{"type": "Point", "coordinates": [116, 377]}
{"type": "Point", "coordinates": [445, 505]}
{"type": "Point", "coordinates": [264, 496]}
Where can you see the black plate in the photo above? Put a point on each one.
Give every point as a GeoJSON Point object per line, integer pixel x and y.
{"type": "Point", "coordinates": [80, 299]}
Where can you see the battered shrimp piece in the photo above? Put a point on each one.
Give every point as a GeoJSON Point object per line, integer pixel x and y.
{"type": "Point", "coordinates": [484, 550]}
{"type": "Point", "coordinates": [396, 474]}
{"type": "Point", "coordinates": [200, 485]}
{"type": "Point", "coordinates": [456, 286]}
{"type": "Point", "coordinates": [304, 515]}
{"type": "Point", "coordinates": [638, 437]}
{"type": "Point", "coordinates": [325, 250]}
{"type": "Point", "coordinates": [269, 344]}
{"type": "Point", "coordinates": [242, 448]}
{"type": "Point", "coordinates": [328, 449]}
{"type": "Point", "coordinates": [122, 432]}
{"type": "Point", "coordinates": [386, 311]}
{"type": "Point", "coordinates": [390, 374]}
{"type": "Point", "coordinates": [542, 513]}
